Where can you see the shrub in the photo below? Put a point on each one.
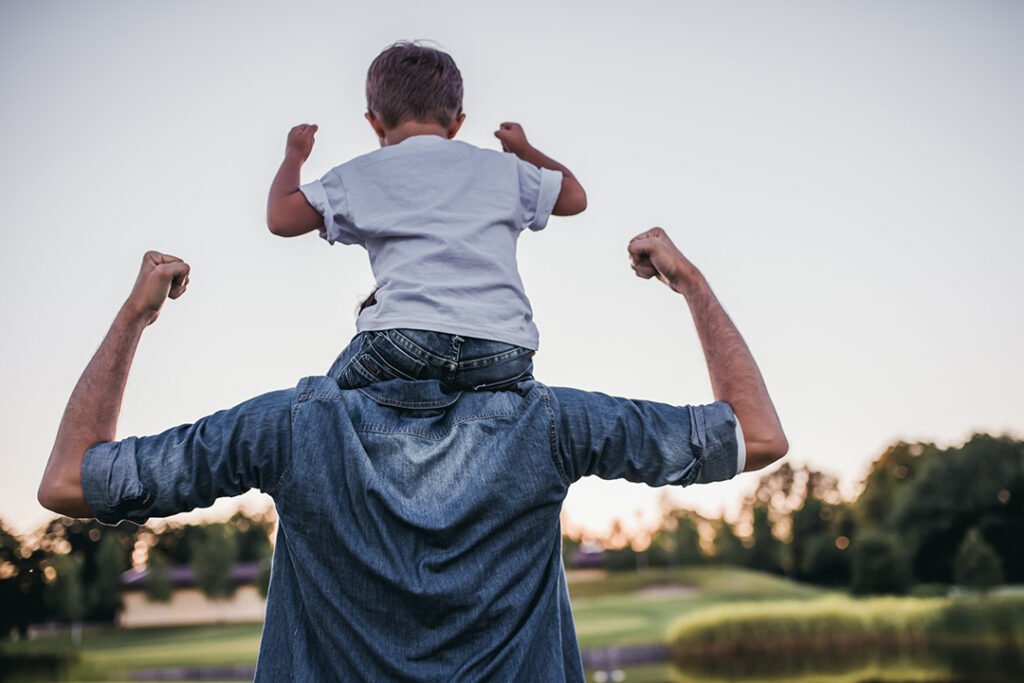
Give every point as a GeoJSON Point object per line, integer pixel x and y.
{"type": "Point", "coordinates": [977, 565]}
{"type": "Point", "coordinates": [878, 566]}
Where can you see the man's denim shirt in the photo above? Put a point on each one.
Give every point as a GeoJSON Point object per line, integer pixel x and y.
{"type": "Point", "coordinates": [419, 532]}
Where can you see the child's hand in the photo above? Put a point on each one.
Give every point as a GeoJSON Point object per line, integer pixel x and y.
{"type": "Point", "coordinates": [300, 141]}
{"type": "Point", "coordinates": [512, 137]}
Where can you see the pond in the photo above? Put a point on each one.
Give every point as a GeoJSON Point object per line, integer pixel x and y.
{"type": "Point", "coordinates": [961, 663]}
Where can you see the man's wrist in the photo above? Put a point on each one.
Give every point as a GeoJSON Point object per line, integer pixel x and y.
{"type": "Point", "coordinates": [688, 281]}
{"type": "Point", "coordinates": [133, 317]}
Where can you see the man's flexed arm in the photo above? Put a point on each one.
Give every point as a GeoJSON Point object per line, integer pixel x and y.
{"type": "Point", "coordinates": [735, 377]}
{"type": "Point", "coordinates": [91, 414]}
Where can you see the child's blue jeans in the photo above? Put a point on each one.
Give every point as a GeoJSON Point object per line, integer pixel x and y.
{"type": "Point", "coordinates": [460, 363]}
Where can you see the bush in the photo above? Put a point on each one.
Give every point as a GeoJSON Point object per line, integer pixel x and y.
{"type": "Point", "coordinates": [977, 565]}
{"type": "Point", "coordinates": [833, 622]}
{"type": "Point", "coordinates": [878, 566]}
{"type": "Point", "coordinates": [942, 627]}
{"type": "Point", "coordinates": [824, 563]}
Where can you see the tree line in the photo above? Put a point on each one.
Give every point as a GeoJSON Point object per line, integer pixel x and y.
{"type": "Point", "coordinates": [926, 518]}
{"type": "Point", "coordinates": [71, 570]}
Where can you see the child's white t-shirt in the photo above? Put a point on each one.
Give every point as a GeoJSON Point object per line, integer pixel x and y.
{"type": "Point", "coordinates": [440, 219]}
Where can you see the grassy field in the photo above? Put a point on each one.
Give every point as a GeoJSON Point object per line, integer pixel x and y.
{"type": "Point", "coordinates": [611, 610]}
{"type": "Point", "coordinates": [633, 609]}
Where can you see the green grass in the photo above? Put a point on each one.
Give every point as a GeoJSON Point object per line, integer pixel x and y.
{"type": "Point", "coordinates": [610, 610]}
{"type": "Point", "coordinates": [844, 622]}
{"type": "Point", "coordinates": [619, 615]}
{"type": "Point", "coordinates": [838, 638]}
{"type": "Point", "coordinates": [111, 653]}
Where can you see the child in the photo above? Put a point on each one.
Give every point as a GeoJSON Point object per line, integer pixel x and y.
{"type": "Point", "coordinates": [440, 220]}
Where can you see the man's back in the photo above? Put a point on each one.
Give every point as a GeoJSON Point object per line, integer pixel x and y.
{"type": "Point", "coordinates": [422, 529]}
{"type": "Point", "coordinates": [419, 531]}
{"type": "Point", "coordinates": [426, 546]}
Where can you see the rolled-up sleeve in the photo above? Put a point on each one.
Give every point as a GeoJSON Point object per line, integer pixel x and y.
{"type": "Point", "coordinates": [538, 191]}
{"type": "Point", "coordinates": [190, 466]}
{"type": "Point", "coordinates": [330, 198]}
{"type": "Point", "coordinates": [644, 441]}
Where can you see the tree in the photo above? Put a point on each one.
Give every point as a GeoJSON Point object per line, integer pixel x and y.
{"type": "Point", "coordinates": [877, 565]}
{"type": "Point", "coordinates": [678, 543]}
{"type": "Point", "coordinates": [21, 586]}
{"type": "Point", "coordinates": [263, 578]}
{"type": "Point", "coordinates": [810, 522]}
{"type": "Point", "coordinates": [213, 560]}
{"type": "Point", "coordinates": [253, 535]}
{"type": "Point", "coordinates": [824, 562]}
{"type": "Point", "coordinates": [570, 546]}
{"type": "Point", "coordinates": [890, 476]}
{"type": "Point", "coordinates": [977, 565]}
{"type": "Point", "coordinates": [766, 552]}
{"type": "Point", "coordinates": [980, 484]}
{"type": "Point", "coordinates": [178, 542]}
{"type": "Point", "coordinates": [85, 537]}
{"type": "Point", "coordinates": [105, 591]}
{"type": "Point", "coordinates": [158, 578]}
{"type": "Point", "coordinates": [729, 549]}
{"type": "Point", "coordinates": [65, 596]}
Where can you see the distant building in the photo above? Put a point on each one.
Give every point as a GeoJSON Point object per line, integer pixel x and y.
{"type": "Point", "coordinates": [589, 556]}
{"type": "Point", "coordinates": [188, 605]}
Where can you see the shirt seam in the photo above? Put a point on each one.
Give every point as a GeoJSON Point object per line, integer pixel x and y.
{"type": "Point", "coordinates": [287, 473]}
{"type": "Point", "coordinates": [384, 429]}
{"type": "Point", "coordinates": [553, 440]}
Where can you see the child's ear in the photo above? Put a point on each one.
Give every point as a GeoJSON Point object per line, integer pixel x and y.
{"type": "Point", "coordinates": [456, 124]}
{"type": "Point", "coordinates": [377, 126]}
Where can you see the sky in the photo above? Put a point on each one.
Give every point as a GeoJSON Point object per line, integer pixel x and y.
{"type": "Point", "coordinates": [848, 176]}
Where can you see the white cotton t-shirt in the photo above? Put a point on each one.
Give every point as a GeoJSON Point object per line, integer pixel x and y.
{"type": "Point", "coordinates": [440, 219]}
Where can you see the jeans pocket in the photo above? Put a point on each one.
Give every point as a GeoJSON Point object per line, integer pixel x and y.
{"type": "Point", "coordinates": [382, 360]}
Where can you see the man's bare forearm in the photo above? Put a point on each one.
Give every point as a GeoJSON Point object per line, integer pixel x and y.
{"type": "Point", "coordinates": [91, 415]}
{"type": "Point", "coordinates": [92, 411]}
{"type": "Point", "coordinates": [735, 377]}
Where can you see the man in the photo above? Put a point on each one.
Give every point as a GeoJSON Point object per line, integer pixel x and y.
{"type": "Point", "coordinates": [419, 530]}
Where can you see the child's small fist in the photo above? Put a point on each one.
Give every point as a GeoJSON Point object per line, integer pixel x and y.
{"type": "Point", "coordinates": [512, 137]}
{"type": "Point", "coordinates": [300, 140]}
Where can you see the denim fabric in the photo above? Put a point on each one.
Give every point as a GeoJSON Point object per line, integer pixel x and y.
{"type": "Point", "coordinates": [457, 362]}
{"type": "Point", "coordinates": [419, 532]}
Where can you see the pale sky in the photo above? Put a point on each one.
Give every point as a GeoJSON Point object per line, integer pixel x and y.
{"type": "Point", "coordinates": [849, 176]}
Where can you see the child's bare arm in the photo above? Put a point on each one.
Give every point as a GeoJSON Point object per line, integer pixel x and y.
{"type": "Point", "coordinates": [288, 212]}
{"type": "Point", "coordinates": [572, 199]}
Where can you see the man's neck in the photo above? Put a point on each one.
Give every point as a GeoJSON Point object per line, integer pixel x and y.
{"type": "Point", "coordinates": [408, 129]}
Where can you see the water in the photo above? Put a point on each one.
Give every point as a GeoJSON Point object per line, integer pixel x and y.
{"type": "Point", "coordinates": [957, 663]}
